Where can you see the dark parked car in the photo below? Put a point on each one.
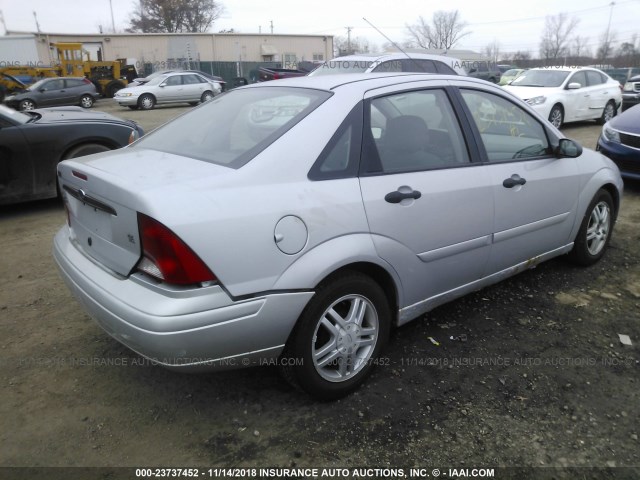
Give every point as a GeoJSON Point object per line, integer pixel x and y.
{"type": "Point", "coordinates": [631, 93]}
{"type": "Point", "coordinates": [32, 143]}
{"type": "Point", "coordinates": [482, 69]}
{"type": "Point", "coordinates": [620, 141]}
{"type": "Point", "coordinates": [50, 92]}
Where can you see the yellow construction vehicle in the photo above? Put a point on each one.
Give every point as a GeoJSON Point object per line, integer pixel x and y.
{"type": "Point", "coordinates": [108, 77]}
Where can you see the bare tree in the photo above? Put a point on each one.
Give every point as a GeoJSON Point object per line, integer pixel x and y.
{"type": "Point", "coordinates": [580, 47]}
{"type": "Point", "coordinates": [492, 51]}
{"type": "Point", "coordinates": [446, 29]}
{"type": "Point", "coordinates": [605, 48]}
{"type": "Point", "coordinates": [173, 16]}
{"type": "Point", "coordinates": [554, 43]}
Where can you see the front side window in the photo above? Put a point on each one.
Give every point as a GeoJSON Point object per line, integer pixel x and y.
{"type": "Point", "coordinates": [580, 78]}
{"type": "Point", "coordinates": [508, 132]}
{"type": "Point", "coordinates": [54, 85]}
{"type": "Point", "coordinates": [418, 65]}
{"type": "Point", "coordinates": [173, 81]}
{"type": "Point", "coordinates": [233, 128]}
{"type": "Point", "coordinates": [413, 131]}
{"type": "Point", "coordinates": [389, 66]}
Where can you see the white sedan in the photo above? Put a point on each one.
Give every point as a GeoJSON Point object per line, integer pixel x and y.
{"type": "Point", "coordinates": [569, 94]}
{"type": "Point", "coordinates": [178, 87]}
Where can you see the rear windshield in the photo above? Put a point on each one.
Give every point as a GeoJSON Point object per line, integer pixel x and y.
{"type": "Point", "coordinates": [234, 127]}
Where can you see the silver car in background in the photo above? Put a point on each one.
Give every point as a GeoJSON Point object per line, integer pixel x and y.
{"type": "Point", "coordinates": [175, 87]}
{"type": "Point", "coordinates": [298, 221]}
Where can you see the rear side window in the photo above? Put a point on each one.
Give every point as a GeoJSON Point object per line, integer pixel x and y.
{"type": "Point", "coordinates": [413, 131]}
{"type": "Point", "coordinates": [444, 68]}
{"type": "Point", "coordinates": [594, 78]}
{"type": "Point", "coordinates": [418, 65]}
{"type": "Point", "coordinates": [341, 157]}
{"type": "Point", "coordinates": [73, 82]}
{"type": "Point", "coordinates": [233, 128]}
{"type": "Point", "coordinates": [389, 66]}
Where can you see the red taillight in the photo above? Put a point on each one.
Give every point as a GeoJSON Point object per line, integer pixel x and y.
{"type": "Point", "coordinates": [166, 257]}
{"type": "Point", "coordinates": [276, 76]}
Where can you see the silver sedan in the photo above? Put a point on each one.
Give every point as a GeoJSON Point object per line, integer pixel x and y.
{"type": "Point", "coordinates": [295, 222]}
{"type": "Point", "coordinates": [178, 87]}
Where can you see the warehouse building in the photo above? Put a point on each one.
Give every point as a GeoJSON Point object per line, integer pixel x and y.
{"type": "Point", "coordinates": [225, 54]}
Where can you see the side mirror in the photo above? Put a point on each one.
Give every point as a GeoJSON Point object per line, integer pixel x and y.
{"type": "Point", "coordinates": [473, 70]}
{"type": "Point", "coordinates": [42, 90]}
{"type": "Point", "coordinates": [574, 86]}
{"type": "Point", "coordinates": [162, 85]}
{"type": "Point", "coordinates": [568, 148]}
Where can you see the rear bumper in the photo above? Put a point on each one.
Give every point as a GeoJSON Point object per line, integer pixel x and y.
{"type": "Point", "coordinates": [188, 329]}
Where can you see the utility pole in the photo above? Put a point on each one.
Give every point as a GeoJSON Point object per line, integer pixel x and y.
{"type": "Point", "coordinates": [4, 25]}
{"type": "Point", "coordinates": [113, 23]}
{"type": "Point", "coordinates": [348, 40]}
{"type": "Point", "coordinates": [607, 45]}
{"type": "Point", "coordinates": [271, 21]}
{"type": "Point", "coordinates": [37, 24]}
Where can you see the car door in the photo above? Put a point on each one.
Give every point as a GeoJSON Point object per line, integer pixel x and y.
{"type": "Point", "coordinates": [600, 91]}
{"type": "Point", "coordinates": [194, 87]}
{"type": "Point", "coordinates": [52, 93]}
{"type": "Point", "coordinates": [577, 99]}
{"type": "Point", "coordinates": [534, 191]}
{"type": "Point", "coordinates": [429, 206]}
{"type": "Point", "coordinates": [16, 164]}
{"type": "Point", "coordinates": [170, 90]}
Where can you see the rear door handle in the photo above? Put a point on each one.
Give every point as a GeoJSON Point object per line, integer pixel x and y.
{"type": "Point", "coordinates": [398, 196]}
{"type": "Point", "coordinates": [513, 180]}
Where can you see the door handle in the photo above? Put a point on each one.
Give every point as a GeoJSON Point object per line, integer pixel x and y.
{"type": "Point", "coordinates": [397, 196]}
{"type": "Point", "coordinates": [513, 180]}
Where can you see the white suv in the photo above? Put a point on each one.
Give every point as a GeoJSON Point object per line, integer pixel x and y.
{"type": "Point", "coordinates": [392, 62]}
{"type": "Point", "coordinates": [569, 94]}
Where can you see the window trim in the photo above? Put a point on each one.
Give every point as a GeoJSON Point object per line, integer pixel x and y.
{"type": "Point", "coordinates": [354, 119]}
{"type": "Point", "coordinates": [478, 136]}
{"type": "Point", "coordinates": [368, 142]}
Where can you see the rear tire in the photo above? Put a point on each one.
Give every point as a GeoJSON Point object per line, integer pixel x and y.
{"type": "Point", "coordinates": [206, 96]}
{"type": "Point", "coordinates": [86, 101]}
{"type": "Point", "coordinates": [112, 87]}
{"type": "Point", "coordinates": [608, 113]}
{"type": "Point", "coordinates": [595, 230]}
{"type": "Point", "coordinates": [338, 337]}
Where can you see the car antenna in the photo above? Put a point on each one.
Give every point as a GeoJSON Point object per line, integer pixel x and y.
{"type": "Point", "coordinates": [393, 43]}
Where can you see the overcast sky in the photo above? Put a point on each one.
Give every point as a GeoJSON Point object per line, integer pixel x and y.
{"type": "Point", "coordinates": [516, 25]}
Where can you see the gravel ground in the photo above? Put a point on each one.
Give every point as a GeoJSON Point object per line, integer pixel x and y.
{"type": "Point", "coordinates": [528, 373]}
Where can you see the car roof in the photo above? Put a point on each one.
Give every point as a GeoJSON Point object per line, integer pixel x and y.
{"type": "Point", "coordinates": [391, 55]}
{"type": "Point", "coordinates": [366, 80]}
{"type": "Point", "coordinates": [565, 69]}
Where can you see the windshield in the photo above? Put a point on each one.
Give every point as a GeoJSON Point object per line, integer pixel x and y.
{"type": "Point", "coordinates": [13, 116]}
{"type": "Point", "coordinates": [234, 127]}
{"type": "Point", "coordinates": [156, 80]}
{"type": "Point", "coordinates": [334, 67]}
{"type": "Point", "coordinates": [541, 78]}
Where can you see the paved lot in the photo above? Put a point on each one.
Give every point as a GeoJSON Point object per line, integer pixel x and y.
{"type": "Point", "coordinates": [542, 379]}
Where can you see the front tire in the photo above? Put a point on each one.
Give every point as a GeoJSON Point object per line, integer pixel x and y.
{"type": "Point", "coordinates": [338, 337]}
{"type": "Point", "coordinates": [27, 104]}
{"type": "Point", "coordinates": [146, 102]}
{"type": "Point", "coordinates": [86, 149]}
{"type": "Point", "coordinates": [556, 116]}
{"type": "Point", "coordinates": [595, 231]}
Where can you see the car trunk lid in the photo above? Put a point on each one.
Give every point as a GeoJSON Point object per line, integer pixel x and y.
{"type": "Point", "coordinates": [103, 194]}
